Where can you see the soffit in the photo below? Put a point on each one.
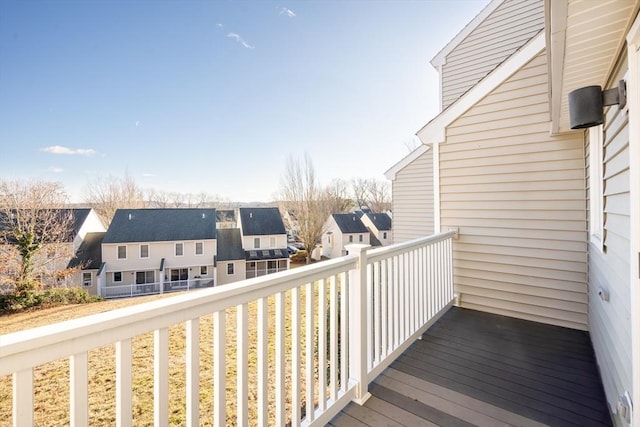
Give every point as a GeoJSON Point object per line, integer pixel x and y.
{"type": "Point", "coordinates": [586, 38]}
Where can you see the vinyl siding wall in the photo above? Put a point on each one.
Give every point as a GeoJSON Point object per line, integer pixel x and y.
{"type": "Point", "coordinates": [609, 321]}
{"type": "Point", "coordinates": [412, 191]}
{"type": "Point", "coordinates": [507, 29]}
{"type": "Point", "coordinates": [518, 196]}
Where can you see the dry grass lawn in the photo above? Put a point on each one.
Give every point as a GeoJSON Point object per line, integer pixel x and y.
{"type": "Point", "coordinates": [51, 380]}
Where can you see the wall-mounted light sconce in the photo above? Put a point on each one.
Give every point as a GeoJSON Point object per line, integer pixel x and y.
{"type": "Point", "coordinates": [586, 104]}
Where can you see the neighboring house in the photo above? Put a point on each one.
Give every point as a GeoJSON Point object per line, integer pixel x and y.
{"type": "Point", "coordinates": [88, 260]}
{"type": "Point", "coordinates": [226, 218]}
{"type": "Point", "coordinates": [548, 218]}
{"type": "Point", "coordinates": [264, 240]}
{"type": "Point", "coordinates": [341, 230]}
{"type": "Point", "coordinates": [379, 224]}
{"type": "Point", "coordinates": [230, 261]}
{"type": "Point", "coordinates": [53, 260]}
{"type": "Point", "coordinates": [158, 250]}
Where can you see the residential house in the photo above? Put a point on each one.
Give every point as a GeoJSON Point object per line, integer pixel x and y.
{"type": "Point", "coordinates": [54, 259]}
{"type": "Point", "coordinates": [158, 250]}
{"type": "Point", "coordinates": [546, 216]}
{"type": "Point", "coordinates": [87, 261]}
{"type": "Point", "coordinates": [291, 224]}
{"type": "Point", "coordinates": [264, 240]}
{"type": "Point", "coordinates": [342, 230]}
{"type": "Point", "coordinates": [379, 224]}
{"type": "Point", "coordinates": [230, 261]}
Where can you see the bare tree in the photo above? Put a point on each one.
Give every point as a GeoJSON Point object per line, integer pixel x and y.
{"type": "Point", "coordinates": [300, 193]}
{"type": "Point", "coordinates": [371, 193]}
{"type": "Point", "coordinates": [35, 231]}
{"type": "Point", "coordinates": [337, 197]}
{"type": "Point", "coordinates": [106, 195]}
{"type": "Point", "coordinates": [378, 195]}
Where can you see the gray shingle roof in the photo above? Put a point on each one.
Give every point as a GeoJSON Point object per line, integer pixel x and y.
{"type": "Point", "coordinates": [350, 223]}
{"type": "Point", "coordinates": [382, 221]}
{"type": "Point", "coordinates": [265, 254]}
{"type": "Point", "coordinates": [229, 244]}
{"type": "Point", "coordinates": [161, 225]}
{"type": "Point", "coordinates": [89, 254]}
{"type": "Point", "coordinates": [261, 221]}
{"type": "Point", "coordinates": [78, 217]}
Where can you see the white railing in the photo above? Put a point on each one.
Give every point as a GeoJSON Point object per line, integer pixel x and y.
{"type": "Point", "coordinates": [140, 289]}
{"type": "Point", "coordinates": [304, 343]}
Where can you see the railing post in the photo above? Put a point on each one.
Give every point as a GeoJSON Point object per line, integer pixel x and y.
{"type": "Point", "coordinates": [358, 323]}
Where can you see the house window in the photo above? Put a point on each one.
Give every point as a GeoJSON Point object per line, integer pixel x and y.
{"type": "Point", "coordinates": [179, 274]}
{"type": "Point", "coordinates": [117, 276]}
{"type": "Point", "coordinates": [179, 249]}
{"type": "Point", "coordinates": [350, 239]}
{"type": "Point", "coordinates": [122, 252]}
{"type": "Point", "coordinates": [360, 237]}
{"type": "Point", "coordinates": [199, 248]}
{"type": "Point", "coordinates": [144, 251]}
{"type": "Point", "coordinates": [143, 277]}
{"type": "Point", "coordinates": [203, 270]}
{"type": "Point", "coordinates": [256, 243]}
{"type": "Point", "coordinates": [86, 279]}
{"type": "Point", "coordinates": [595, 135]}
{"type": "Point", "coordinates": [272, 242]}
{"type": "Point", "coordinates": [230, 269]}
{"type": "Point", "coordinates": [384, 234]}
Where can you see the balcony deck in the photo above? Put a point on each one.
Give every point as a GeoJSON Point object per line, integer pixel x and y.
{"type": "Point", "coordinates": [474, 368]}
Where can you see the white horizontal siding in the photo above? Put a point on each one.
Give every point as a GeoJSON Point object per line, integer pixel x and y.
{"type": "Point", "coordinates": [413, 199]}
{"type": "Point", "coordinates": [518, 196]}
{"type": "Point", "coordinates": [502, 33]}
{"type": "Point", "coordinates": [609, 268]}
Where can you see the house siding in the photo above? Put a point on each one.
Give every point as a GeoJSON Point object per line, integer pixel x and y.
{"type": "Point", "coordinates": [504, 31]}
{"type": "Point", "coordinates": [609, 268]}
{"type": "Point", "coordinates": [517, 195]}
{"type": "Point", "coordinates": [412, 191]}
{"type": "Point", "coordinates": [240, 272]}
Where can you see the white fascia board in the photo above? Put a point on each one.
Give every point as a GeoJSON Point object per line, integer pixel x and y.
{"type": "Point", "coordinates": [441, 58]}
{"type": "Point", "coordinates": [434, 131]}
{"type": "Point", "coordinates": [556, 22]}
{"type": "Point", "coordinates": [393, 171]}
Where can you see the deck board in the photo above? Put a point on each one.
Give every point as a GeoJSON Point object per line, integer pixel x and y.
{"type": "Point", "coordinates": [479, 369]}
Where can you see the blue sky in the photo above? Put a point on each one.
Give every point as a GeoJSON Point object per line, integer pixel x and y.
{"type": "Point", "coordinates": [213, 96]}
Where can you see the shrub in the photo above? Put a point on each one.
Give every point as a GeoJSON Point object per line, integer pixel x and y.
{"type": "Point", "coordinates": [19, 301]}
{"type": "Point", "coordinates": [300, 256]}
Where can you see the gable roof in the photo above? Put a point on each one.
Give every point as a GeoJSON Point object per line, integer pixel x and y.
{"type": "Point", "coordinates": [349, 223]}
{"type": "Point", "coordinates": [406, 161]}
{"type": "Point", "coordinates": [75, 216]}
{"type": "Point", "coordinates": [261, 221]}
{"type": "Point", "coordinates": [161, 225]}
{"type": "Point", "coordinates": [434, 131]}
{"type": "Point", "coordinates": [89, 254]}
{"type": "Point", "coordinates": [229, 243]}
{"type": "Point", "coordinates": [441, 57]}
{"type": "Point", "coordinates": [381, 221]}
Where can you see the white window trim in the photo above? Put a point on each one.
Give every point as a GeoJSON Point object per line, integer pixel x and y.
{"type": "Point", "coordinates": [175, 249]}
{"type": "Point", "coordinates": [90, 279]}
{"type": "Point", "coordinates": [113, 277]}
{"type": "Point", "coordinates": [196, 249]}
{"type": "Point", "coordinates": [596, 196]}
{"type": "Point", "coordinates": [233, 268]}
{"type": "Point", "coordinates": [272, 242]}
{"type": "Point", "coordinates": [148, 251]}
{"type": "Point", "coordinates": [257, 239]}
{"type": "Point", "coordinates": [206, 270]}
{"type": "Point", "coordinates": [118, 252]}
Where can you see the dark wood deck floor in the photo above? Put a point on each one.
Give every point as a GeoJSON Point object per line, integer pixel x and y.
{"type": "Point", "coordinates": [479, 369]}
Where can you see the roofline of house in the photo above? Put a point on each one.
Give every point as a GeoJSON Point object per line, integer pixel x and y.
{"type": "Point", "coordinates": [434, 131]}
{"type": "Point", "coordinates": [441, 57]}
{"type": "Point", "coordinates": [393, 170]}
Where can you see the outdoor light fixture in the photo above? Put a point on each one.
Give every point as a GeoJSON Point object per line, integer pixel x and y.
{"type": "Point", "coordinates": [586, 104]}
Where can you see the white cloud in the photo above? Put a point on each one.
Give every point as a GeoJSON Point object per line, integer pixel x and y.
{"type": "Point", "coordinates": [219, 25]}
{"type": "Point", "coordinates": [58, 149]}
{"type": "Point", "coordinates": [240, 40]}
{"type": "Point", "coordinates": [138, 123]}
{"type": "Point", "coordinates": [54, 169]}
{"type": "Point", "coordinates": [287, 12]}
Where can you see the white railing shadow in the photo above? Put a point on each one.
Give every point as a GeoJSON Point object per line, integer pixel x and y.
{"type": "Point", "coordinates": [307, 341]}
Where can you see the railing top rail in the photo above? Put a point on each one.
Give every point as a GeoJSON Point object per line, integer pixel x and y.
{"type": "Point", "coordinates": [385, 252]}
{"type": "Point", "coordinates": [68, 337]}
